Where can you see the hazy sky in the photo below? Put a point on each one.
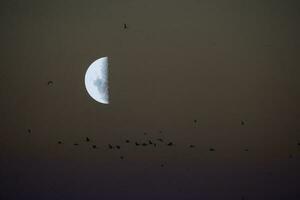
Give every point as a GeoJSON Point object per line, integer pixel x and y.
{"type": "Point", "coordinates": [219, 62]}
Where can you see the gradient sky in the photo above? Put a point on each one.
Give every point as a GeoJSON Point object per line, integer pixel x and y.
{"type": "Point", "coordinates": [219, 62]}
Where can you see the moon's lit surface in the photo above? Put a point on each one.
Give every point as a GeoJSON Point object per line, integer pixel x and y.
{"type": "Point", "coordinates": [96, 80]}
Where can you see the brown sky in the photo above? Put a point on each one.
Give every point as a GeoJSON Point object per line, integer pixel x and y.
{"type": "Point", "coordinates": [219, 62]}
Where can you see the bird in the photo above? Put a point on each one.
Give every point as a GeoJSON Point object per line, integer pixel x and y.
{"type": "Point", "coordinates": [144, 144]}
{"type": "Point", "coordinates": [118, 147]}
{"type": "Point", "coordinates": [211, 149]}
{"type": "Point", "coordinates": [122, 157]}
{"type": "Point", "coordinates": [127, 141]}
{"type": "Point", "coordinates": [242, 123]}
{"type": "Point", "coordinates": [192, 146]}
{"type": "Point", "coordinates": [137, 144]}
{"type": "Point", "coordinates": [154, 144]}
{"type": "Point", "coordinates": [87, 139]}
{"type": "Point", "coordinates": [76, 144]}
{"type": "Point", "coordinates": [161, 140]}
{"type": "Point", "coordinates": [29, 130]}
{"type": "Point", "coordinates": [150, 142]}
{"type": "Point", "coordinates": [125, 26]}
{"type": "Point", "coordinates": [59, 142]}
{"type": "Point", "coordinates": [170, 144]}
{"type": "Point", "coordinates": [195, 123]}
{"type": "Point", "coordinates": [50, 83]}
{"type": "Point", "coordinates": [94, 146]}
{"type": "Point", "coordinates": [110, 146]}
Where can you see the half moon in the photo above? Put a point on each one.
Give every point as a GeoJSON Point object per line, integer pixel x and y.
{"type": "Point", "coordinates": [96, 80]}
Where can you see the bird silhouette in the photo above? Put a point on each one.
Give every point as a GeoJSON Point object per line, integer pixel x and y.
{"type": "Point", "coordinates": [127, 141]}
{"type": "Point", "coordinates": [192, 146]}
{"type": "Point", "coordinates": [59, 142]}
{"type": "Point", "coordinates": [110, 146]}
{"type": "Point", "coordinates": [242, 123]}
{"type": "Point", "coordinates": [161, 140]}
{"type": "Point", "coordinates": [87, 139]}
{"type": "Point", "coordinates": [50, 83]}
{"type": "Point", "coordinates": [211, 149]}
{"type": "Point", "coordinates": [94, 146]}
{"type": "Point", "coordinates": [150, 142]}
{"type": "Point", "coordinates": [195, 123]}
{"type": "Point", "coordinates": [170, 144]}
{"type": "Point", "coordinates": [29, 130]}
{"type": "Point", "coordinates": [122, 157]}
{"type": "Point", "coordinates": [125, 26]}
{"type": "Point", "coordinates": [118, 147]}
{"type": "Point", "coordinates": [137, 144]}
{"type": "Point", "coordinates": [76, 144]}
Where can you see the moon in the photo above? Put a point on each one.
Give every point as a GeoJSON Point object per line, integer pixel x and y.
{"type": "Point", "coordinates": [96, 80]}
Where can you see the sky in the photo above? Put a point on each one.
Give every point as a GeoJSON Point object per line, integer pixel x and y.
{"type": "Point", "coordinates": [220, 75]}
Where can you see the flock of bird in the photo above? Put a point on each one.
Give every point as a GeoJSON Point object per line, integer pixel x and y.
{"type": "Point", "coordinates": [148, 142]}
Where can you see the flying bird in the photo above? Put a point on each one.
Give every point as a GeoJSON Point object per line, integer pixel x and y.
{"type": "Point", "coordinates": [76, 144]}
{"type": "Point", "coordinates": [50, 83]}
{"type": "Point", "coordinates": [161, 140]}
{"type": "Point", "coordinates": [94, 146]}
{"type": "Point", "coordinates": [170, 144]}
{"type": "Point", "coordinates": [127, 141]}
{"type": "Point", "coordinates": [137, 144]}
{"type": "Point", "coordinates": [59, 142]}
{"type": "Point", "coordinates": [125, 26]}
{"type": "Point", "coordinates": [118, 147]}
{"type": "Point", "coordinates": [87, 139]}
{"type": "Point", "coordinates": [110, 146]}
{"type": "Point", "coordinates": [29, 130]}
{"type": "Point", "coordinates": [211, 149]}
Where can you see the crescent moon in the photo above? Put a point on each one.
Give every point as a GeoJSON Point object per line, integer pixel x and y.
{"type": "Point", "coordinates": [96, 80]}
